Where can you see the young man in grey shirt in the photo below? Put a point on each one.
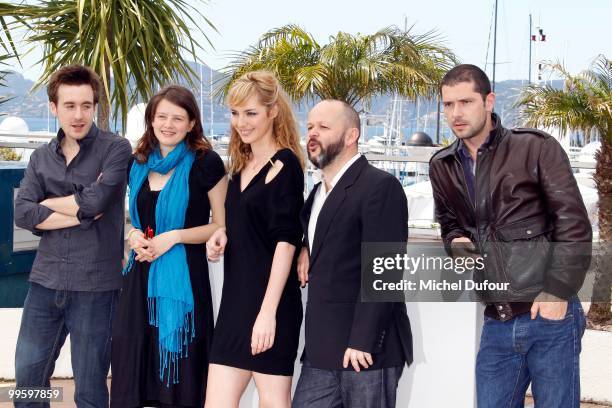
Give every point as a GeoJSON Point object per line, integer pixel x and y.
{"type": "Point", "coordinates": [72, 196]}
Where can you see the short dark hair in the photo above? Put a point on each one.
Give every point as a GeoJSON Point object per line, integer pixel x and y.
{"type": "Point", "coordinates": [468, 73]}
{"type": "Point", "coordinates": [73, 75]}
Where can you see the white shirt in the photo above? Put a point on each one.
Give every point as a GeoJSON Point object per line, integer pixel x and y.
{"type": "Point", "coordinates": [321, 196]}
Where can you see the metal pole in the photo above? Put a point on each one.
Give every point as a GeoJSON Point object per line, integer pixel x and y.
{"type": "Point", "coordinates": [212, 114]}
{"type": "Point", "coordinates": [438, 122]}
{"type": "Point", "coordinates": [530, 34]}
{"type": "Point", "coordinates": [418, 115]}
{"type": "Point", "coordinates": [494, 45]}
{"type": "Point", "coordinates": [201, 95]}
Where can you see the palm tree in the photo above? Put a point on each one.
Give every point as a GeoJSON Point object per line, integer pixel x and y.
{"type": "Point", "coordinates": [352, 68]}
{"type": "Point", "coordinates": [6, 39]}
{"type": "Point", "coordinates": [138, 43]}
{"type": "Point", "coordinates": [585, 104]}
{"type": "Point", "coordinates": [9, 50]}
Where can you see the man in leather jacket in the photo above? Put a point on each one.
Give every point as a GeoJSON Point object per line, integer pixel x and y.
{"type": "Point", "coordinates": [511, 194]}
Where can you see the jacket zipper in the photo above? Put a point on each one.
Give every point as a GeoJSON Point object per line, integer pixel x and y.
{"type": "Point", "coordinates": [472, 204]}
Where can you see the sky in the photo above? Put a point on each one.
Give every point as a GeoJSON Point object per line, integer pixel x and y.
{"type": "Point", "coordinates": [576, 30]}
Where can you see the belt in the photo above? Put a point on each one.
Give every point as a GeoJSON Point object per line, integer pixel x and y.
{"type": "Point", "coordinates": [507, 311]}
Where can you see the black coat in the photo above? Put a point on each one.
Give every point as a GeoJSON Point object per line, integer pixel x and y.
{"type": "Point", "coordinates": [366, 205]}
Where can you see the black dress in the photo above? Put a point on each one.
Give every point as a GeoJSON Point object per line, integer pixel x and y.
{"type": "Point", "coordinates": [135, 355]}
{"type": "Point", "coordinates": [257, 219]}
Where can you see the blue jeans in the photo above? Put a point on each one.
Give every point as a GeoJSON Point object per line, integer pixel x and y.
{"type": "Point", "coordinates": [319, 388]}
{"type": "Point", "coordinates": [520, 351]}
{"type": "Point", "coordinates": [48, 316]}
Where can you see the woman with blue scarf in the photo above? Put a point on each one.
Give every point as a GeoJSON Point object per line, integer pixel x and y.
{"type": "Point", "coordinates": [164, 321]}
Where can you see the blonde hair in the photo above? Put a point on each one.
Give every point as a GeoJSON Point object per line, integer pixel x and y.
{"type": "Point", "coordinates": [266, 87]}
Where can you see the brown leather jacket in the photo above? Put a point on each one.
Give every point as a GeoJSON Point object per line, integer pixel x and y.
{"type": "Point", "coordinates": [528, 216]}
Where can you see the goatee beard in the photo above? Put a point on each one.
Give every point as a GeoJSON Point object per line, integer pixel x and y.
{"type": "Point", "coordinates": [327, 155]}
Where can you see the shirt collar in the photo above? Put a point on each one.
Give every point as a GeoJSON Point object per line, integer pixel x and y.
{"type": "Point", "coordinates": [462, 148]}
{"type": "Point", "coordinates": [318, 177]}
{"type": "Point", "coordinates": [344, 169]}
{"type": "Point", "coordinates": [89, 137]}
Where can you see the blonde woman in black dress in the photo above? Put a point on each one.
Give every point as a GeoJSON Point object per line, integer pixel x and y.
{"type": "Point", "coordinates": [257, 330]}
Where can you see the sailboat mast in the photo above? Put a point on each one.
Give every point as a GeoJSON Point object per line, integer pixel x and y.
{"type": "Point", "coordinates": [530, 41]}
{"type": "Point", "coordinates": [494, 46]}
{"type": "Point", "coordinates": [212, 118]}
{"type": "Point", "coordinates": [438, 119]}
{"type": "Point", "coordinates": [201, 96]}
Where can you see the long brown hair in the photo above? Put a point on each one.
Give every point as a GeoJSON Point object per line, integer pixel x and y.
{"type": "Point", "coordinates": [179, 96]}
{"type": "Point", "coordinates": [265, 86]}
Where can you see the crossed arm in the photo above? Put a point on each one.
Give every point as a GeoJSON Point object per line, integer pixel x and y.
{"type": "Point", "coordinates": [30, 213]}
{"type": "Point", "coordinates": [36, 213]}
{"type": "Point", "coordinates": [91, 201]}
{"type": "Point", "coordinates": [64, 214]}
{"type": "Point", "coordinates": [64, 205]}
{"type": "Point", "coordinates": [57, 221]}
{"type": "Point", "coordinates": [61, 217]}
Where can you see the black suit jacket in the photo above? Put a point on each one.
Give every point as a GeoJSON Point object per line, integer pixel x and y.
{"type": "Point", "coordinates": [366, 205]}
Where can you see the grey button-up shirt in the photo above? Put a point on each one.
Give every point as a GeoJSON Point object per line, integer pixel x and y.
{"type": "Point", "coordinates": [86, 257]}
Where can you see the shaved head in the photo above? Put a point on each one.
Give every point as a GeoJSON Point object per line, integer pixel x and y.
{"type": "Point", "coordinates": [349, 114]}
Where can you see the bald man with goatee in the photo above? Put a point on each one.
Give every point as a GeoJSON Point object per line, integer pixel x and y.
{"type": "Point", "coordinates": [355, 351]}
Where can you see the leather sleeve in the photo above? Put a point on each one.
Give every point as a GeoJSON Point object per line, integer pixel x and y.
{"type": "Point", "coordinates": [445, 215]}
{"type": "Point", "coordinates": [572, 234]}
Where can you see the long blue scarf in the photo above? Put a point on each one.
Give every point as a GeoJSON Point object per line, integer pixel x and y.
{"type": "Point", "coordinates": [170, 297]}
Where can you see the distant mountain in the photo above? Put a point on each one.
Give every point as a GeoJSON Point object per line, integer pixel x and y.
{"type": "Point", "coordinates": [507, 93]}
{"type": "Point", "coordinates": [27, 104]}
{"type": "Point", "coordinates": [23, 103]}
{"type": "Point", "coordinates": [34, 104]}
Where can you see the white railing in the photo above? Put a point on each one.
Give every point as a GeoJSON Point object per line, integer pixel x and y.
{"type": "Point", "coordinates": [409, 163]}
{"type": "Point", "coordinates": [394, 154]}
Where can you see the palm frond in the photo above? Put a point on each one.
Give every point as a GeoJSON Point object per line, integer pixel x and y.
{"type": "Point", "coordinates": [349, 67]}
{"type": "Point", "coordinates": [584, 103]}
{"type": "Point", "coordinates": [140, 45]}
{"type": "Point", "coordinates": [9, 19]}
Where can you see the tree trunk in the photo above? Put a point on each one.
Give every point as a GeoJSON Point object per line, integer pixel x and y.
{"type": "Point", "coordinates": [600, 307]}
{"type": "Point", "coordinates": [104, 109]}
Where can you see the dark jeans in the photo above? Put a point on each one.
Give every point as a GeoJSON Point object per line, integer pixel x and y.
{"type": "Point", "coordinates": [48, 316]}
{"type": "Point", "coordinates": [545, 353]}
{"type": "Point", "coordinates": [319, 388]}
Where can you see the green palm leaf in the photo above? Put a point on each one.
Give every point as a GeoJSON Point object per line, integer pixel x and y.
{"type": "Point", "coordinates": [353, 68]}
{"type": "Point", "coordinates": [584, 103]}
{"type": "Point", "coordinates": [138, 43]}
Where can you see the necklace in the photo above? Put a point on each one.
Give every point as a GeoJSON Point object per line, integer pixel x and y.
{"type": "Point", "coordinates": [257, 165]}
